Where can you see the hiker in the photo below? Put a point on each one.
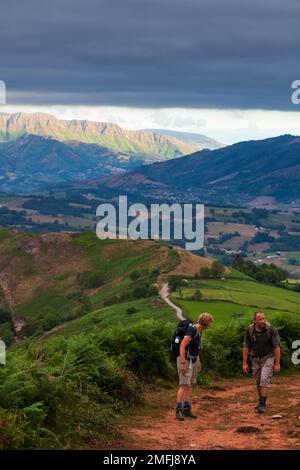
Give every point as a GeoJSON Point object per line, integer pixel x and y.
{"type": "Point", "coordinates": [188, 365]}
{"type": "Point", "coordinates": [263, 343]}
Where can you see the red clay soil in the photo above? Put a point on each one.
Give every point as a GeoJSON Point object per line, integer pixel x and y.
{"type": "Point", "coordinates": [226, 419]}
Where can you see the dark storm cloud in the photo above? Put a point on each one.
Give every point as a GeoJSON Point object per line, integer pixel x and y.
{"type": "Point", "coordinates": [191, 53]}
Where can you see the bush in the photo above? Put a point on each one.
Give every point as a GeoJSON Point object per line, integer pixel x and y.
{"type": "Point", "coordinates": [6, 333]}
{"type": "Point", "coordinates": [205, 272]}
{"type": "Point", "coordinates": [174, 282]}
{"type": "Point", "coordinates": [197, 296]}
{"type": "Point", "coordinates": [144, 290]}
{"type": "Point", "coordinates": [222, 350]}
{"type": "Point", "coordinates": [217, 269]}
{"type": "Point", "coordinates": [5, 316]}
{"type": "Point", "coordinates": [131, 310]}
{"type": "Point", "coordinates": [62, 393]}
{"type": "Point", "coordinates": [134, 275]}
{"type": "Point", "coordinates": [140, 292]}
{"type": "Point", "coordinates": [90, 280]}
{"type": "Point", "coordinates": [145, 346]}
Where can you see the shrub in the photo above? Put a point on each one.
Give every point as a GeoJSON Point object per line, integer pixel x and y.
{"type": "Point", "coordinates": [62, 393]}
{"type": "Point", "coordinates": [134, 275]}
{"type": "Point", "coordinates": [90, 280]}
{"type": "Point", "coordinates": [131, 310]}
{"type": "Point", "coordinates": [205, 272]}
{"type": "Point", "coordinates": [145, 346]}
{"type": "Point", "coordinates": [217, 269]}
{"type": "Point", "coordinates": [197, 296]}
{"type": "Point", "coordinates": [222, 350]}
{"type": "Point", "coordinates": [174, 282]}
{"type": "Point", "coordinates": [6, 333]}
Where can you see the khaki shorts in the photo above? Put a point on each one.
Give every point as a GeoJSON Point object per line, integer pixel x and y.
{"type": "Point", "coordinates": [191, 376]}
{"type": "Point", "coordinates": [263, 369]}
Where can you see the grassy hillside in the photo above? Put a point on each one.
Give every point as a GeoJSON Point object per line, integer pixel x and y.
{"type": "Point", "coordinates": [53, 278]}
{"type": "Point", "coordinates": [234, 299]}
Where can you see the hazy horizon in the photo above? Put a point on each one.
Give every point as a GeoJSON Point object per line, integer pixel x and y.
{"type": "Point", "coordinates": [225, 126]}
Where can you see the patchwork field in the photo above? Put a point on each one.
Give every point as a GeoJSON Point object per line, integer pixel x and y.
{"type": "Point", "coordinates": [232, 299]}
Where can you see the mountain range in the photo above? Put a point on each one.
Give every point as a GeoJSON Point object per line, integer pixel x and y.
{"type": "Point", "coordinates": [233, 174]}
{"type": "Point", "coordinates": [200, 141]}
{"type": "Point", "coordinates": [37, 149]}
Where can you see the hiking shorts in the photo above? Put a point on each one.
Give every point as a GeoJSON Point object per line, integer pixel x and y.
{"type": "Point", "coordinates": [263, 369]}
{"type": "Point", "coordinates": [191, 376]}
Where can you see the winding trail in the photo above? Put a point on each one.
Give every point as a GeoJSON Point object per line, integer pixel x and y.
{"type": "Point", "coordinates": [164, 293]}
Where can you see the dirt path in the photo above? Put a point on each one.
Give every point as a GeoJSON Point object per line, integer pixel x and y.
{"type": "Point", "coordinates": [164, 293]}
{"type": "Point", "coordinates": [222, 410]}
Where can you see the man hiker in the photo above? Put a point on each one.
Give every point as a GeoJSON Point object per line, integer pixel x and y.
{"type": "Point", "coordinates": [188, 365]}
{"type": "Point", "coordinates": [263, 343]}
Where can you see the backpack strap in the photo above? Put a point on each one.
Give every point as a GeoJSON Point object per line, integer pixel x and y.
{"type": "Point", "coordinates": [187, 351]}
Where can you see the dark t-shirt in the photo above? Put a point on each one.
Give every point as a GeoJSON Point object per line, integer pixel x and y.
{"type": "Point", "coordinates": [263, 342]}
{"type": "Point", "coordinates": [193, 348]}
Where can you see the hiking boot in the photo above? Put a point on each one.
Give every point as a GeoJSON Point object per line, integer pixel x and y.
{"type": "Point", "coordinates": [179, 415]}
{"type": "Point", "coordinates": [261, 408]}
{"type": "Point", "coordinates": [256, 406]}
{"type": "Point", "coordinates": [187, 411]}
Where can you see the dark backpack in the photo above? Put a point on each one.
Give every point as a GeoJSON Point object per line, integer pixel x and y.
{"type": "Point", "coordinates": [252, 332]}
{"type": "Point", "coordinates": [178, 336]}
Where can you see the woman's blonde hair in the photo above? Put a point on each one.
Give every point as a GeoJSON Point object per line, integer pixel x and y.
{"type": "Point", "coordinates": [205, 319]}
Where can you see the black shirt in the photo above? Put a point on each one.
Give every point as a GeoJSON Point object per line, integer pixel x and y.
{"type": "Point", "coordinates": [263, 342]}
{"type": "Point", "coordinates": [193, 348]}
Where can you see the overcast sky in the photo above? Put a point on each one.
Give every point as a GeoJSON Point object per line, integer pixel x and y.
{"type": "Point", "coordinates": [182, 63]}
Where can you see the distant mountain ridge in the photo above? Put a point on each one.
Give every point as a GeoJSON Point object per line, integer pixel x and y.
{"type": "Point", "coordinates": [32, 163]}
{"type": "Point", "coordinates": [200, 141]}
{"type": "Point", "coordinates": [147, 144]}
{"type": "Point", "coordinates": [233, 174]}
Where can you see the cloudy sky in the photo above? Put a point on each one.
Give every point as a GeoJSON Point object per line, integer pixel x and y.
{"type": "Point", "coordinates": [218, 67]}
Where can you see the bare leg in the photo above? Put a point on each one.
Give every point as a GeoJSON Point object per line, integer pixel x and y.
{"type": "Point", "coordinates": [188, 393]}
{"type": "Point", "coordinates": [181, 394]}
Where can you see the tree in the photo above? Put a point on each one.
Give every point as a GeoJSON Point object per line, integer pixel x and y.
{"type": "Point", "coordinates": [205, 272]}
{"type": "Point", "coordinates": [197, 296]}
{"type": "Point", "coordinates": [174, 282]}
{"type": "Point", "coordinates": [217, 269]}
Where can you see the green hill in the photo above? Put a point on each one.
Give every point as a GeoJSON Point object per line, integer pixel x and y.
{"type": "Point", "coordinates": [50, 279]}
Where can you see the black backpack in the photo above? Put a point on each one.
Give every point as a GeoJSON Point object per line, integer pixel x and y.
{"type": "Point", "coordinates": [178, 336]}
{"type": "Point", "coordinates": [251, 331]}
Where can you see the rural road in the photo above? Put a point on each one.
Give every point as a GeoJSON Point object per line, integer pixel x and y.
{"type": "Point", "coordinates": [164, 293]}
